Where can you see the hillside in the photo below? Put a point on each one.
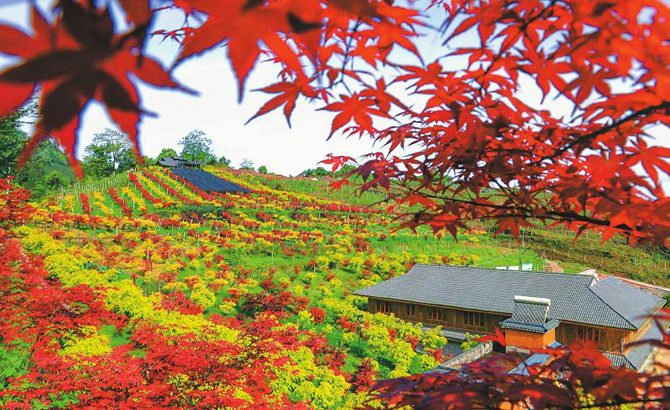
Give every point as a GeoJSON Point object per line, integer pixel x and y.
{"type": "Point", "coordinates": [614, 257]}
{"type": "Point", "coordinates": [242, 297]}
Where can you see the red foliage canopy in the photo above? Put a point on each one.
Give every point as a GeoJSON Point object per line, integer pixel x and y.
{"type": "Point", "coordinates": [14, 207]}
{"type": "Point", "coordinates": [572, 377]}
{"type": "Point", "coordinates": [465, 140]}
{"type": "Point", "coordinates": [153, 370]}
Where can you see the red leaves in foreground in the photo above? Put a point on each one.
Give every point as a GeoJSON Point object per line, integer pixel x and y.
{"type": "Point", "coordinates": [576, 376]}
{"type": "Point", "coordinates": [14, 206]}
{"type": "Point", "coordinates": [246, 24]}
{"type": "Point", "coordinates": [473, 147]}
{"type": "Point", "coordinates": [78, 58]}
{"type": "Point", "coordinates": [355, 108]}
{"type": "Point", "coordinates": [471, 137]}
{"type": "Point", "coordinates": [288, 92]}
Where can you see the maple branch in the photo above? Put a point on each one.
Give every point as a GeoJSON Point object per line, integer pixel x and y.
{"type": "Point", "coordinates": [596, 133]}
{"type": "Point", "coordinates": [517, 211]}
{"type": "Point", "coordinates": [346, 56]}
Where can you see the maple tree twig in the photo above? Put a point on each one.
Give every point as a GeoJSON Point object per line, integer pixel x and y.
{"type": "Point", "coordinates": [596, 133]}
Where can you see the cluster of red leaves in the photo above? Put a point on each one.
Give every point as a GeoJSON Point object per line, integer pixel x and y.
{"type": "Point", "coordinates": [318, 314]}
{"type": "Point", "coordinates": [279, 302]}
{"type": "Point", "coordinates": [482, 150]}
{"type": "Point", "coordinates": [39, 312]}
{"type": "Point", "coordinates": [571, 377]}
{"type": "Point", "coordinates": [177, 301]}
{"type": "Point", "coordinates": [14, 207]}
{"type": "Point", "coordinates": [79, 57]}
{"type": "Point", "coordinates": [125, 209]}
{"type": "Point", "coordinates": [187, 371]}
{"type": "Point", "coordinates": [476, 132]}
{"type": "Point", "coordinates": [144, 192]}
{"type": "Point", "coordinates": [85, 203]}
{"type": "Point", "coordinates": [346, 324]}
{"type": "Point", "coordinates": [479, 149]}
{"type": "Point", "coordinates": [37, 309]}
{"type": "Point", "coordinates": [365, 377]}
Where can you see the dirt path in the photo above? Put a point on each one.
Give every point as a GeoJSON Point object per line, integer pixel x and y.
{"type": "Point", "coordinates": [551, 266]}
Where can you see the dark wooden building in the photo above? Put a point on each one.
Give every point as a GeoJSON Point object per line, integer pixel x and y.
{"type": "Point", "coordinates": [569, 307]}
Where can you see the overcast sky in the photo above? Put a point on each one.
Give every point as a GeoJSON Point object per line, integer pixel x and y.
{"type": "Point", "coordinates": [267, 140]}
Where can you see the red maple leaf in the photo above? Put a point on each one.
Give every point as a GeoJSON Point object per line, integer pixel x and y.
{"type": "Point", "coordinates": [76, 59]}
{"type": "Point", "coordinates": [355, 108]}
{"type": "Point", "coordinates": [243, 25]}
{"type": "Point", "coordinates": [288, 92]}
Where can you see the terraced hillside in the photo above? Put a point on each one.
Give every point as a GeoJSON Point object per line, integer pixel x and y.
{"type": "Point", "coordinates": [212, 301]}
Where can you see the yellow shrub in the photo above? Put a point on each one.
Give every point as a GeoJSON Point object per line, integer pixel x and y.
{"type": "Point", "coordinates": [227, 307]}
{"type": "Point", "coordinates": [91, 344]}
{"type": "Point", "coordinates": [175, 286]}
{"type": "Point", "coordinates": [203, 296]}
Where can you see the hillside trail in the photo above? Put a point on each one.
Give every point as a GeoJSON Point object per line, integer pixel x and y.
{"type": "Point", "coordinates": [551, 266]}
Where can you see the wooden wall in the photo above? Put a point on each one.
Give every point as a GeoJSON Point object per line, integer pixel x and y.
{"type": "Point", "coordinates": [452, 318]}
{"type": "Point", "coordinates": [610, 338]}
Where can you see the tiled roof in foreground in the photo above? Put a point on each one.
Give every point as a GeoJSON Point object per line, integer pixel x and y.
{"type": "Point", "coordinates": [574, 298]}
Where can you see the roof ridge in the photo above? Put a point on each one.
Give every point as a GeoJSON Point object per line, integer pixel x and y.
{"type": "Point", "coordinates": [566, 274]}
{"type": "Point", "coordinates": [611, 308]}
{"type": "Point", "coordinates": [463, 287]}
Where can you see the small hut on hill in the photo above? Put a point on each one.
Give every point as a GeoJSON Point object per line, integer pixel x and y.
{"type": "Point", "coordinates": [178, 162]}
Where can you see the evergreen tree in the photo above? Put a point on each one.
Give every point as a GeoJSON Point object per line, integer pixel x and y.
{"type": "Point", "coordinates": [12, 140]}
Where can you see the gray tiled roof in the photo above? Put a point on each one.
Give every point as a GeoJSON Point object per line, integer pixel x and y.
{"type": "Point", "coordinates": [630, 302]}
{"type": "Point", "coordinates": [619, 360]}
{"type": "Point", "coordinates": [638, 354]}
{"type": "Point", "coordinates": [573, 298]}
{"type": "Point", "coordinates": [177, 162]}
{"type": "Point", "coordinates": [528, 327]}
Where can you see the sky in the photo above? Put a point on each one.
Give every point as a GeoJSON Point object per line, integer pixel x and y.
{"type": "Point", "coordinates": [267, 140]}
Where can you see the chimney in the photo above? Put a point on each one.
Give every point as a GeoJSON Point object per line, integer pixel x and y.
{"type": "Point", "coordinates": [529, 328]}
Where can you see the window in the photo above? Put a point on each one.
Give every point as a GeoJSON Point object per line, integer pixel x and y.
{"type": "Point", "coordinates": [383, 306]}
{"type": "Point", "coordinates": [436, 313]}
{"type": "Point", "coordinates": [590, 334]}
{"type": "Point", "coordinates": [474, 319]}
{"type": "Point", "coordinates": [411, 310]}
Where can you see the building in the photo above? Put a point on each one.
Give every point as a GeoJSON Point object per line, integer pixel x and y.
{"type": "Point", "coordinates": [178, 162]}
{"type": "Point", "coordinates": [533, 309]}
